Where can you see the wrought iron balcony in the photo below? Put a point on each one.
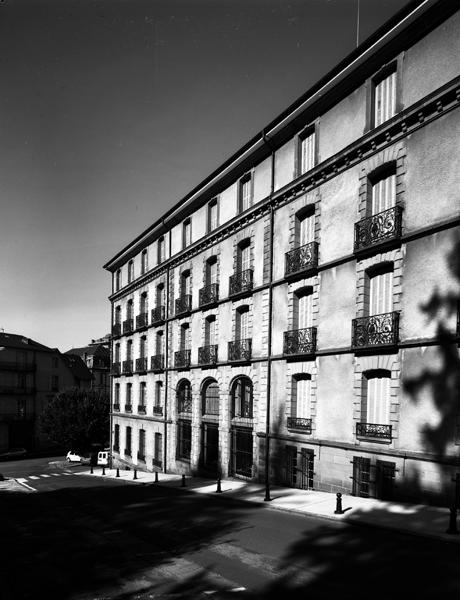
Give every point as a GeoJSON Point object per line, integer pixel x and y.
{"type": "Point", "coordinates": [207, 355]}
{"type": "Point", "coordinates": [209, 294]}
{"type": "Point", "coordinates": [128, 326]}
{"type": "Point", "coordinates": [116, 369]}
{"type": "Point", "coordinates": [383, 227]}
{"type": "Point", "coordinates": [142, 320]}
{"type": "Point", "coordinates": [240, 350]}
{"type": "Point", "coordinates": [156, 462]}
{"type": "Point", "coordinates": [300, 341]}
{"type": "Point", "coordinates": [127, 367]}
{"type": "Point", "coordinates": [128, 408]}
{"type": "Point", "coordinates": [183, 304]}
{"type": "Point", "coordinates": [158, 410]}
{"type": "Point", "coordinates": [299, 423]}
{"type": "Point", "coordinates": [116, 407]}
{"type": "Point", "coordinates": [141, 364]}
{"type": "Point", "coordinates": [17, 366]}
{"type": "Point", "coordinates": [241, 282]}
{"type": "Point", "coordinates": [182, 358]}
{"type": "Point", "coordinates": [140, 456]}
{"type": "Point", "coordinates": [116, 329]}
{"type": "Point", "coordinates": [301, 260]}
{"type": "Point", "coordinates": [141, 409]}
{"type": "Point", "coordinates": [374, 430]}
{"type": "Point", "coordinates": [157, 362]}
{"type": "Point", "coordinates": [158, 315]}
{"type": "Point", "coordinates": [376, 330]}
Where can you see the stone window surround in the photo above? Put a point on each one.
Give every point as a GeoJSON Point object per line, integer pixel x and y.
{"type": "Point", "coordinates": [297, 370]}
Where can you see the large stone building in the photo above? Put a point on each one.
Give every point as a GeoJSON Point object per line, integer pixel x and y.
{"type": "Point", "coordinates": [306, 292]}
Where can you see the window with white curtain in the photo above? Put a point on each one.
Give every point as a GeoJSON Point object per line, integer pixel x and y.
{"type": "Point", "coordinates": [383, 193]}
{"type": "Point", "coordinates": [384, 98]}
{"type": "Point", "coordinates": [306, 151]}
{"type": "Point", "coordinates": [376, 405]}
{"type": "Point", "coordinates": [301, 397]}
{"type": "Point", "coordinates": [381, 292]}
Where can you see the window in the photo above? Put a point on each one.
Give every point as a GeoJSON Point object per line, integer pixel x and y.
{"type": "Point", "coordinates": [118, 280]}
{"type": "Point", "coordinates": [129, 310]}
{"type": "Point", "coordinates": [305, 228]}
{"type": "Point", "coordinates": [184, 439]}
{"type": "Point", "coordinates": [211, 271]}
{"type": "Point", "coordinates": [243, 256]}
{"type": "Point", "coordinates": [158, 386]}
{"type": "Point", "coordinates": [143, 347]}
{"type": "Point", "coordinates": [144, 262]}
{"type": "Point", "coordinates": [383, 191]}
{"type": "Point", "coordinates": [161, 250]}
{"type": "Point", "coordinates": [129, 390]}
{"type": "Point", "coordinates": [128, 441]}
{"type": "Point", "coordinates": [117, 394]}
{"type": "Point", "coordinates": [241, 395]}
{"type": "Point", "coordinates": [185, 282]}
{"type": "Point", "coordinates": [129, 350]}
{"type": "Point", "coordinates": [118, 315]}
{"type": "Point", "coordinates": [375, 406]}
{"type": "Point", "coordinates": [54, 362]}
{"type": "Point", "coordinates": [384, 89]}
{"type": "Point", "coordinates": [242, 323]}
{"type": "Point", "coordinates": [380, 299]}
{"type": "Point", "coordinates": [117, 353]}
{"type": "Point", "coordinates": [185, 334]}
{"type": "Point", "coordinates": [184, 396]}
{"type": "Point", "coordinates": [141, 451]}
{"type": "Point", "coordinates": [210, 331]}
{"type": "Point", "coordinates": [306, 150]}
{"type": "Point", "coordinates": [143, 303]}
{"type": "Point", "coordinates": [210, 398]}
{"type": "Point", "coordinates": [159, 342]}
{"type": "Point", "coordinates": [186, 233]}
{"type": "Point", "coordinates": [54, 383]}
{"type": "Point", "coordinates": [300, 400]}
{"type": "Point", "coordinates": [158, 449]}
{"type": "Point", "coordinates": [160, 295]}
{"type": "Point", "coordinates": [116, 438]}
{"type": "Point", "coordinates": [142, 393]}
{"type": "Point", "coordinates": [130, 271]}
{"type": "Point", "coordinates": [213, 221]}
{"type": "Point", "coordinates": [245, 193]}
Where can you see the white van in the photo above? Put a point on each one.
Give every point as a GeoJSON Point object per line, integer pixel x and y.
{"type": "Point", "coordinates": [103, 458]}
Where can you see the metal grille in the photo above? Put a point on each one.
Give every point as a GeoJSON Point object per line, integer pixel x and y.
{"type": "Point", "coordinates": [182, 358]}
{"type": "Point", "coordinates": [142, 320]}
{"type": "Point", "coordinates": [241, 452]}
{"type": "Point", "coordinates": [300, 341]}
{"type": "Point", "coordinates": [241, 282]}
{"type": "Point", "coordinates": [301, 259]}
{"type": "Point", "coordinates": [183, 304]}
{"type": "Point", "coordinates": [158, 314]}
{"type": "Point", "coordinates": [209, 294]}
{"type": "Point", "coordinates": [374, 430]}
{"type": "Point", "coordinates": [240, 350]}
{"type": "Point", "coordinates": [375, 330]}
{"type": "Point", "coordinates": [378, 228]}
{"type": "Point", "coordinates": [207, 355]}
{"type": "Point", "coordinates": [157, 362]}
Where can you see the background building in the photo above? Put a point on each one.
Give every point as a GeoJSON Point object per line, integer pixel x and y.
{"type": "Point", "coordinates": [306, 292]}
{"type": "Point", "coordinates": [96, 356]}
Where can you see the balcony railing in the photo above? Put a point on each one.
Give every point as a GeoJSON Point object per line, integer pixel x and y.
{"type": "Point", "coordinates": [158, 410]}
{"type": "Point", "coordinates": [116, 369]}
{"type": "Point", "coordinates": [207, 355]}
{"type": "Point", "coordinates": [209, 294]}
{"type": "Point", "coordinates": [241, 282]}
{"type": "Point", "coordinates": [379, 228]}
{"type": "Point", "coordinates": [116, 329]}
{"type": "Point", "coordinates": [141, 409]}
{"type": "Point", "coordinates": [301, 260]}
{"type": "Point", "coordinates": [239, 350]}
{"type": "Point", "coordinates": [17, 366]}
{"type": "Point", "coordinates": [182, 358]}
{"type": "Point", "coordinates": [300, 341]}
{"type": "Point", "coordinates": [128, 326]}
{"type": "Point", "coordinates": [376, 330]}
{"type": "Point", "coordinates": [128, 408]}
{"type": "Point", "coordinates": [183, 304]}
{"type": "Point", "coordinates": [141, 365]}
{"type": "Point", "coordinates": [142, 320]}
{"type": "Point", "coordinates": [374, 430]}
{"type": "Point", "coordinates": [158, 315]}
{"type": "Point", "coordinates": [157, 362]}
{"type": "Point", "coordinates": [116, 407]}
{"type": "Point", "coordinates": [299, 423]}
{"type": "Point", "coordinates": [127, 367]}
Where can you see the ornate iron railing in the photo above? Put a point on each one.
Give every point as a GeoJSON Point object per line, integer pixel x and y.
{"type": "Point", "coordinates": [183, 304]}
{"type": "Point", "coordinates": [375, 330]}
{"type": "Point", "coordinates": [301, 259]}
{"type": "Point", "coordinates": [158, 410]}
{"type": "Point", "coordinates": [374, 430]}
{"type": "Point", "coordinates": [182, 358]}
{"type": "Point", "coordinates": [141, 409]}
{"type": "Point", "coordinates": [158, 314]}
{"type": "Point", "coordinates": [142, 320]}
{"type": "Point", "coordinates": [116, 329]}
{"type": "Point", "coordinates": [300, 341]}
{"type": "Point", "coordinates": [127, 366]}
{"type": "Point", "coordinates": [128, 408]}
{"type": "Point", "coordinates": [383, 226]}
{"type": "Point", "coordinates": [299, 423]}
{"type": "Point", "coordinates": [157, 362]}
{"type": "Point", "coordinates": [241, 282]}
{"type": "Point", "coordinates": [240, 350]}
{"type": "Point", "coordinates": [128, 326]}
{"type": "Point", "coordinates": [116, 369]}
{"type": "Point", "coordinates": [116, 407]}
{"type": "Point", "coordinates": [141, 364]}
{"type": "Point", "coordinates": [207, 355]}
{"type": "Point", "coordinates": [209, 294]}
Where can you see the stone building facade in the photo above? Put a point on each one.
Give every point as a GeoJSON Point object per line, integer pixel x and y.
{"type": "Point", "coordinates": [306, 292]}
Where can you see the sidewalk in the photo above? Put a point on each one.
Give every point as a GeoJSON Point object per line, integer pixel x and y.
{"type": "Point", "coordinates": [418, 519]}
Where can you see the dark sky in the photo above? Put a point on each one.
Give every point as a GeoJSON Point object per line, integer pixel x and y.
{"type": "Point", "coordinates": [112, 110]}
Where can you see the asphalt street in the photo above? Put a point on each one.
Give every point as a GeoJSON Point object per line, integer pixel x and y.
{"type": "Point", "coordinates": [70, 536]}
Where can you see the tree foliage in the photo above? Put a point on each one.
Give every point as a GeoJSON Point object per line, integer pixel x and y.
{"type": "Point", "coordinates": [77, 418]}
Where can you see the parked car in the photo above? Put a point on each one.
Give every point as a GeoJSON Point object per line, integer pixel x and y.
{"type": "Point", "coordinates": [72, 456]}
{"type": "Point", "coordinates": [13, 453]}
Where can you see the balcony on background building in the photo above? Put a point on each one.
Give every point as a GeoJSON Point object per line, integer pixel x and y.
{"type": "Point", "coordinates": [158, 410]}
{"type": "Point", "coordinates": [116, 330]}
{"type": "Point", "coordinates": [157, 362]}
{"type": "Point", "coordinates": [18, 366]}
{"type": "Point", "coordinates": [374, 430]}
{"type": "Point", "coordinates": [375, 330]}
{"type": "Point", "coordinates": [182, 358]}
{"type": "Point", "coordinates": [116, 407]}
{"type": "Point", "coordinates": [299, 423]}
{"type": "Point", "coordinates": [239, 350]}
{"type": "Point", "coordinates": [142, 320]}
{"type": "Point", "coordinates": [157, 315]}
{"type": "Point", "coordinates": [183, 304]}
{"type": "Point", "coordinates": [116, 369]}
{"type": "Point", "coordinates": [240, 283]}
{"type": "Point", "coordinates": [301, 260]}
{"type": "Point", "coordinates": [207, 355]}
{"type": "Point", "coordinates": [128, 326]}
{"type": "Point", "coordinates": [384, 227]}
{"type": "Point", "coordinates": [127, 367]}
{"type": "Point", "coordinates": [128, 408]}
{"type": "Point", "coordinates": [300, 342]}
{"type": "Point", "coordinates": [141, 364]}
{"type": "Point", "coordinates": [141, 409]}
{"type": "Point", "coordinates": [209, 294]}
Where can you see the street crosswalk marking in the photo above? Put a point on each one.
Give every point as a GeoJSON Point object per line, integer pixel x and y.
{"type": "Point", "coordinates": [33, 477]}
{"type": "Point", "coordinates": [44, 475]}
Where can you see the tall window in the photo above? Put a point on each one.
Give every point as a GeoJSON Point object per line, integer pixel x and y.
{"type": "Point", "coordinates": [242, 323]}
{"type": "Point", "coordinates": [210, 398]}
{"type": "Point", "coordinates": [184, 396]}
{"type": "Point", "coordinates": [129, 391]}
{"type": "Point", "coordinates": [161, 249]}
{"type": "Point", "coordinates": [117, 394]}
{"type": "Point", "coordinates": [211, 271]}
{"type": "Point", "coordinates": [142, 393]}
{"type": "Point", "coordinates": [185, 282]}
{"type": "Point", "coordinates": [128, 441]}
{"type": "Point", "coordinates": [213, 222]}
{"type": "Point", "coordinates": [300, 400]}
{"type": "Point", "coordinates": [143, 303]}
{"type": "Point", "coordinates": [303, 309]}
{"type": "Point", "coordinates": [305, 228]}
{"type": "Point", "coordinates": [381, 291]}
{"type": "Point", "coordinates": [241, 395]}
{"type": "Point", "coordinates": [129, 310]}
{"type": "Point", "coordinates": [306, 150]}
{"type": "Point", "coordinates": [158, 386]}
{"type": "Point", "coordinates": [210, 331]}
{"type": "Point", "coordinates": [185, 337]}
{"type": "Point", "coordinates": [158, 449]}
{"type": "Point", "coordinates": [375, 406]}
{"type": "Point", "coordinates": [129, 350]}
{"type": "Point", "coordinates": [116, 438]}
{"type": "Point", "coordinates": [159, 342]}
{"type": "Point", "coordinates": [160, 295]}
{"type": "Point", "coordinates": [385, 97]}
{"type": "Point", "coordinates": [118, 315]}
{"type": "Point", "coordinates": [186, 233]}
{"type": "Point", "coordinates": [130, 271]}
{"type": "Point", "coordinates": [245, 192]}
{"type": "Point", "coordinates": [243, 256]}
{"type": "Point", "coordinates": [141, 451]}
{"type": "Point", "coordinates": [144, 261]}
{"type": "Point", "coordinates": [184, 439]}
{"type": "Point", "coordinates": [117, 353]}
{"type": "Point", "coordinates": [143, 347]}
{"type": "Point", "coordinates": [383, 191]}
{"type": "Point", "coordinates": [118, 280]}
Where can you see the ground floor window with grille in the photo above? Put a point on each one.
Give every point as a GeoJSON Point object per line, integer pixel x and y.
{"type": "Point", "coordinates": [373, 480]}
{"type": "Point", "coordinates": [128, 441]}
{"type": "Point", "coordinates": [375, 406]}
{"type": "Point", "coordinates": [184, 439]}
{"type": "Point", "coordinates": [241, 451]}
{"type": "Point", "coordinates": [116, 438]}
{"type": "Point", "coordinates": [299, 468]}
{"type": "Point", "coordinates": [157, 450]}
{"type": "Point", "coordinates": [209, 458]}
{"type": "Point", "coordinates": [141, 451]}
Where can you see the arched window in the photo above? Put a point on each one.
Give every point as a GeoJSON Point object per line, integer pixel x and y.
{"type": "Point", "coordinates": [210, 398]}
{"type": "Point", "coordinates": [184, 396]}
{"type": "Point", "coordinates": [241, 398]}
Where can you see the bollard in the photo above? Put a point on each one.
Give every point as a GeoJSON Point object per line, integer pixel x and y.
{"type": "Point", "coordinates": [118, 472]}
{"type": "Point", "coordinates": [338, 508]}
{"type": "Point", "coordinates": [91, 470]}
{"type": "Point", "coordinates": [183, 481]}
{"type": "Point", "coordinates": [219, 489]}
{"type": "Point", "coordinates": [156, 476]}
{"type": "Point", "coordinates": [135, 474]}
{"type": "Point", "coordinates": [452, 521]}
{"type": "Point", "coordinates": [103, 469]}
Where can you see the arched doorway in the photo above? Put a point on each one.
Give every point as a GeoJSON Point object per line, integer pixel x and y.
{"type": "Point", "coordinates": [241, 406]}
{"type": "Point", "coordinates": [209, 457]}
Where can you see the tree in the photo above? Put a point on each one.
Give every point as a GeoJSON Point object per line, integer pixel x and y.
{"type": "Point", "coordinates": [77, 418]}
